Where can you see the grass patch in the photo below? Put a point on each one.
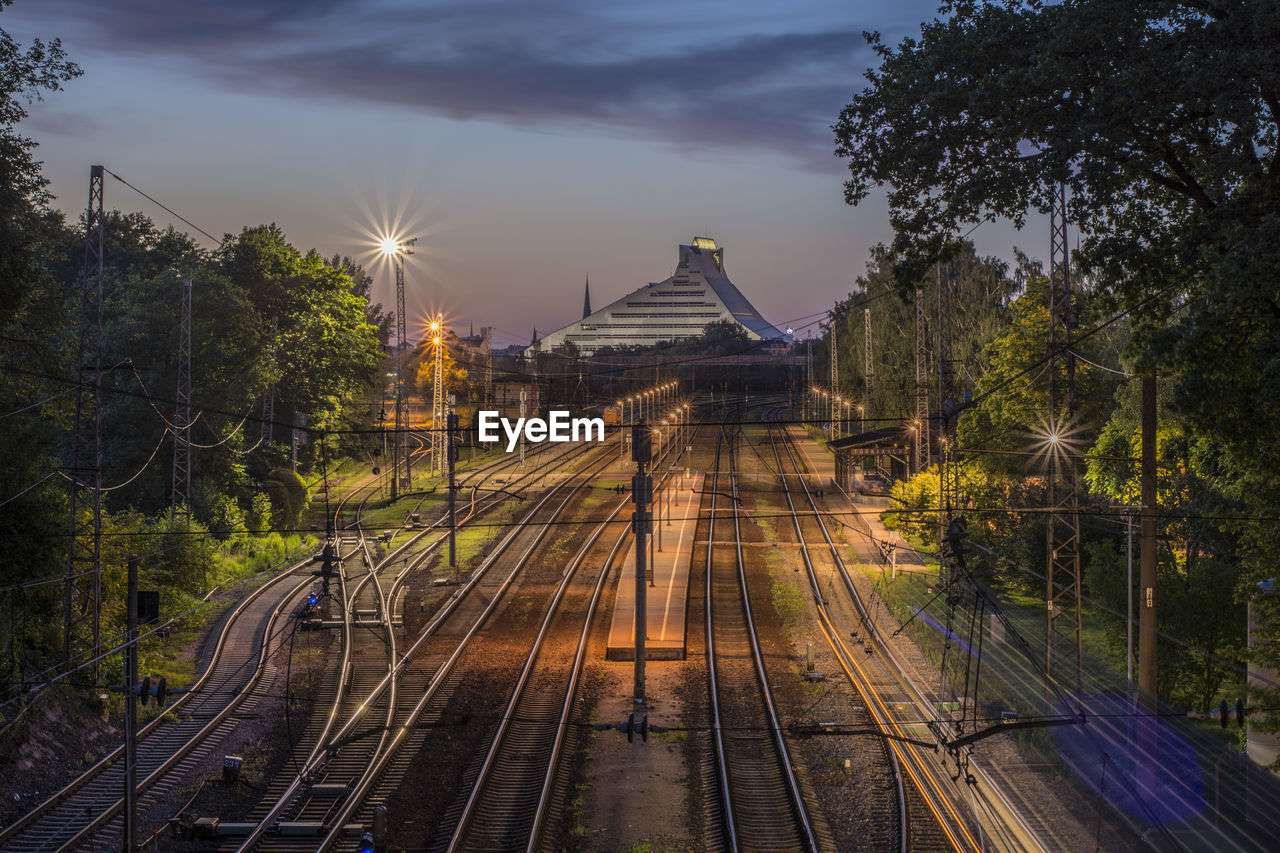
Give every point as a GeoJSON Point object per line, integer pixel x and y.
{"type": "Point", "coordinates": [788, 602]}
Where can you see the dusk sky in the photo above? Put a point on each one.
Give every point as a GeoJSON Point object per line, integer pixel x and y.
{"type": "Point", "coordinates": [525, 145]}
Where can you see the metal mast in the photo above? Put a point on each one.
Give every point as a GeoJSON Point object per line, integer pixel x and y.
{"type": "Point", "coordinates": [439, 414]}
{"type": "Point", "coordinates": [950, 501]}
{"type": "Point", "coordinates": [486, 333]}
{"type": "Point", "coordinates": [808, 368]}
{"type": "Point", "coordinates": [835, 383]}
{"type": "Point", "coordinates": [180, 494]}
{"type": "Point", "coordinates": [82, 603]}
{"type": "Point", "coordinates": [401, 442]}
{"type": "Point", "coordinates": [1063, 635]}
{"type": "Point", "coordinates": [922, 385]}
{"type": "Point", "coordinates": [269, 401]}
{"type": "Point", "coordinates": [868, 369]}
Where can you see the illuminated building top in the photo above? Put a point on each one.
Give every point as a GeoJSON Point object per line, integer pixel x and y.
{"type": "Point", "coordinates": [679, 307]}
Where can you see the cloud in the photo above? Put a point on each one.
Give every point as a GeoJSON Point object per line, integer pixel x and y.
{"type": "Point", "coordinates": [662, 77]}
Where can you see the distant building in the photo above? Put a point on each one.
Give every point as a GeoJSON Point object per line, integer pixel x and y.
{"type": "Point", "coordinates": [699, 293]}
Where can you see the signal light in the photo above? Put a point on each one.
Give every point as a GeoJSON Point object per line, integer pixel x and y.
{"type": "Point", "coordinates": [312, 600]}
{"type": "Point", "coordinates": [366, 843]}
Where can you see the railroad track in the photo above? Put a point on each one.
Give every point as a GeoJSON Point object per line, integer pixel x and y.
{"type": "Point", "coordinates": [229, 687]}
{"type": "Point", "coordinates": [392, 703]}
{"type": "Point", "coordinates": [897, 816]}
{"type": "Point", "coordinates": [519, 786]}
{"type": "Point", "coordinates": [176, 743]}
{"type": "Point", "coordinates": [763, 806]}
{"type": "Point", "coordinates": [928, 804]}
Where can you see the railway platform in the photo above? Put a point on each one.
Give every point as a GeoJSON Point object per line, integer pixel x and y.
{"type": "Point", "coordinates": [668, 594]}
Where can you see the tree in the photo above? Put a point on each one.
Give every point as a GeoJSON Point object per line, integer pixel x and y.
{"type": "Point", "coordinates": [1161, 119]}
{"type": "Point", "coordinates": [1166, 139]}
{"type": "Point", "coordinates": [34, 386]}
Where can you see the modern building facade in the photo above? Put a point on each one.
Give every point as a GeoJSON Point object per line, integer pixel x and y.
{"type": "Point", "coordinates": [680, 307]}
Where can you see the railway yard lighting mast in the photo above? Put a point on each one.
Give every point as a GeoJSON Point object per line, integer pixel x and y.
{"type": "Point", "coordinates": [396, 250]}
{"type": "Point", "coordinates": [82, 605]}
{"type": "Point", "coordinates": [439, 438]}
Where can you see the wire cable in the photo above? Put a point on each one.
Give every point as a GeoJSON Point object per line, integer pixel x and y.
{"type": "Point", "coordinates": [160, 205]}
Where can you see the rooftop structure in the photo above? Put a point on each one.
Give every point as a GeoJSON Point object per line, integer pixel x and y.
{"type": "Point", "coordinates": [679, 307]}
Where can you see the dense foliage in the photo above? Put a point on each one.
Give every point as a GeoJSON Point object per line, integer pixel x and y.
{"type": "Point", "coordinates": [266, 321]}
{"type": "Point", "coordinates": [1160, 118]}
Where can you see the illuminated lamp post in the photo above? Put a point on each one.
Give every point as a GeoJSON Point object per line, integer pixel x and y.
{"type": "Point", "coordinates": [396, 250]}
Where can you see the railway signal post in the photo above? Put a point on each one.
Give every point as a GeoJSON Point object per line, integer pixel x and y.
{"type": "Point", "coordinates": [131, 710]}
{"type": "Point", "coordinates": [452, 451]}
{"type": "Point", "coordinates": [641, 490]}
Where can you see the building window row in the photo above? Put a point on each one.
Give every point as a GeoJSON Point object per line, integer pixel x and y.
{"type": "Point", "coordinates": [676, 316]}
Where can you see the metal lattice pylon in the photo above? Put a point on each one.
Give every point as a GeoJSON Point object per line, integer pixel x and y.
{"type": "Point", "coordinates": [922, 385]}
{"type": "Point", "coordinates": [439, 413]}
{"type": "Point", "coordinates": [1063, 634]}
{"type": "Point", "coordinates": [269, 401]}
{"type": "Point", "coordinates": [868, 375]}
{"type": "Point", "coordinates": [180, 493]}
{"type": "Point", "coordinates": [82, 604]}
{"type": "Point", "coordinates": [950, 500]}
{"type": "Point", "coordinates": [835, 383]}
{"type": "Point", "coordinates": [401, 442]}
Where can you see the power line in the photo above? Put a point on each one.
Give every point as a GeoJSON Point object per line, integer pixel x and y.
{"type": "Point", "coordinates": [160, 205]}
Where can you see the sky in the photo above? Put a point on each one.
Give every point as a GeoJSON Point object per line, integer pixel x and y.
{"type": "Point", "coordinates": [525, 145]}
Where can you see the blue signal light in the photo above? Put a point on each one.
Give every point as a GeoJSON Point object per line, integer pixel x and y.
{"type": "Point", "coordinates": [312, 600]}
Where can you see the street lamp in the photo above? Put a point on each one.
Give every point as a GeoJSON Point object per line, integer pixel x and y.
{"type": "Point", "coordinates": [396, 250]}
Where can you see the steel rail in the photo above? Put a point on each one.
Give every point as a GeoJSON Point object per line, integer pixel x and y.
{"type": "Point", "coordinates": [464, 822]}
{"type": "Point", "coordinates": [956, 828]}
{"type": "Point", "coordinates": [327, 735]}
{"type": "Point", "coordinates": [793, 784]}
{"type": "Point", "coordinates": [815, 588]}
{"type": "Point", "coordinates": [13, 830]}
{"type": "Point", "coordinates": [363, 785]}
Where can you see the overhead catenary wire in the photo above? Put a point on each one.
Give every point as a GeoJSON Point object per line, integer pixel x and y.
{"type": "Point", "coordinates": [28, 408]}
{"type": "Point", "coordinates": [163, 207]}
{"type": "Point", "coordinates": [43, 479]}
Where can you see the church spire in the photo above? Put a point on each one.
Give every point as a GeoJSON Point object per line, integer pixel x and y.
{"type": "Point", "coordinates": [586, 300]}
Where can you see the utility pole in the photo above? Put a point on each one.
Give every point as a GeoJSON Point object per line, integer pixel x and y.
{"type": "Point", "coordinates": [922, 381]}
{"type": "Point", "coordinates": [524, 411]}
{"type": "Point", "coordinates": [402, 448]}
{"type": "Point", "coordinates": [438, 411]}
{"type": "Point", "coordinates": [1147, 568]}
{"type": "Point", "coordinates": [82, 602]}
{"type": "Point", "coordinates": [868, 369]}
{"type": "Point", "coordinates": [808, 373]}
{"type": "Point", "coordinates": [486, 333]}
{"type": "Point", "coordinates": [641, 491]}
{"type": "Point", "coordinates": [269, 401]}
{"type": "Point", "coordinates": [949, 502]}
{"type": "Point", "coordinates": [835, 381]}
{"type": "Point", "coordinates": [180, 494]}
{"type": "Point", "coordinates": [131, 711]}
{"type": "Point", "coordinates": [1062, 578]}
{"type": "Point", "coordinates": [452, 453]}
